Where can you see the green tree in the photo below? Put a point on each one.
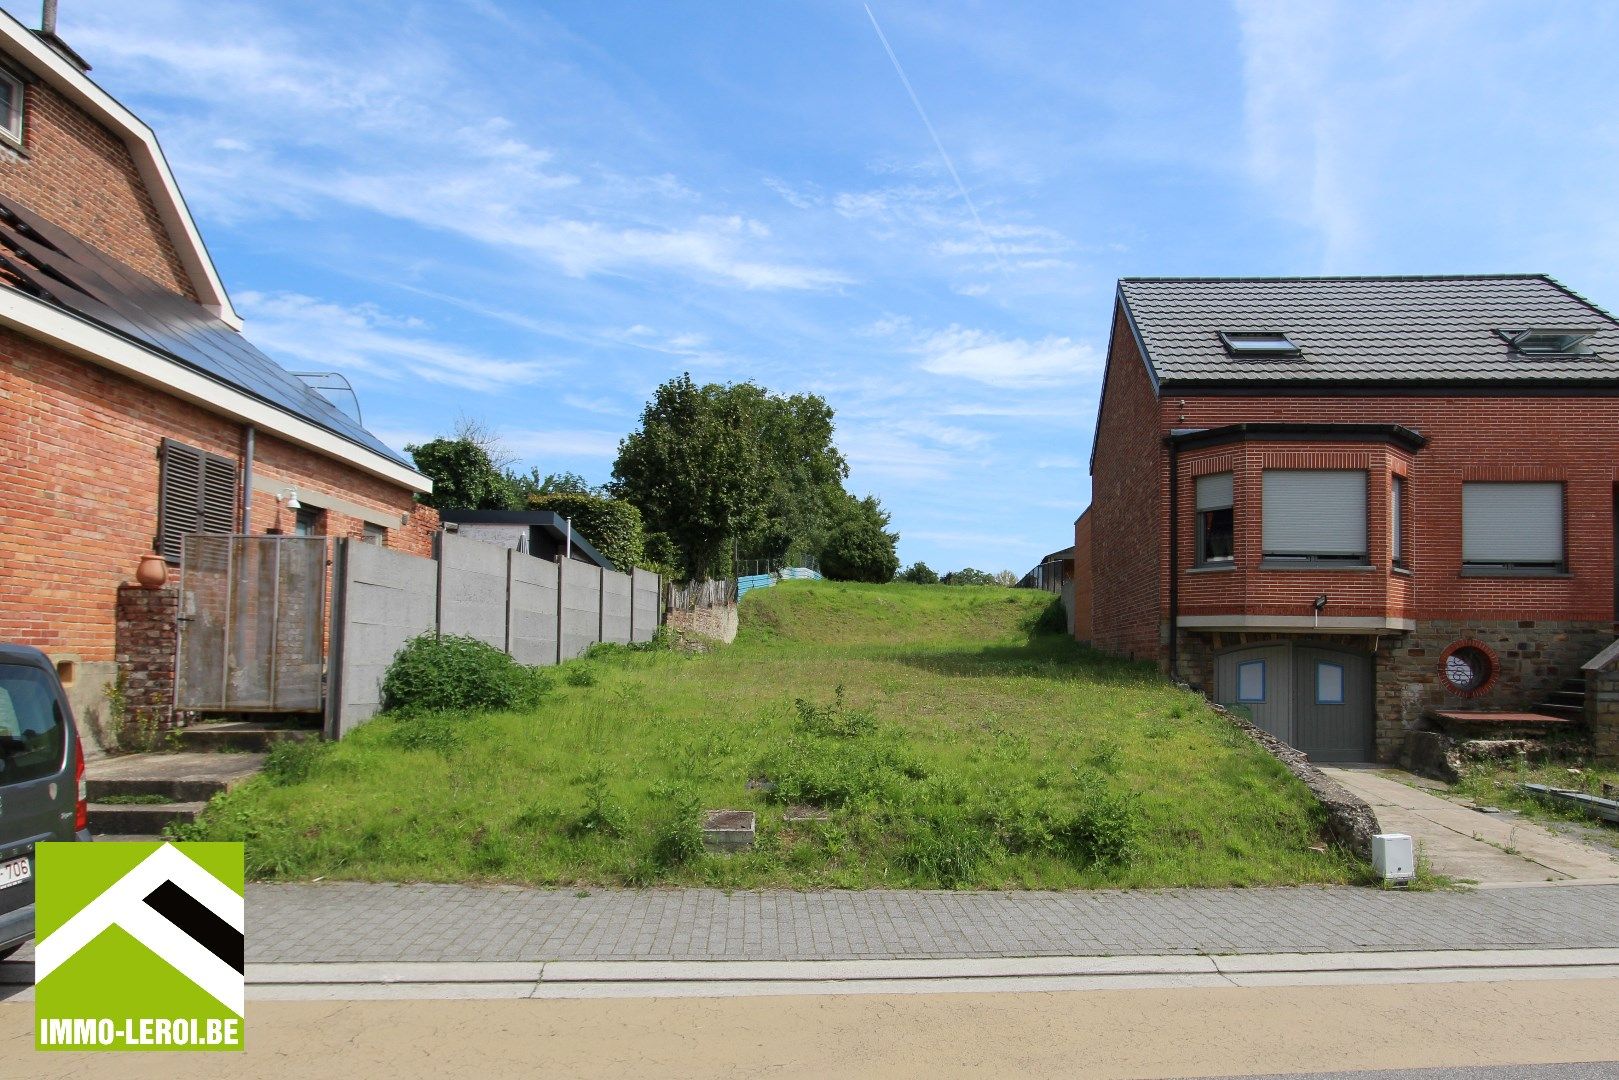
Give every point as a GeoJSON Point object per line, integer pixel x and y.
{"type": "Point", "coordinates": [697, 470]}
{"type": "Point", "coordinates": [919, 573]}
{"type": "Point", "coordinates": [611, 526]}
{"type": "Point", "coordinates": [969, 576]}
{"type": "Point", "coordinates": [470, 469]}
{"type": "Point", "coordinates": [859, 546]}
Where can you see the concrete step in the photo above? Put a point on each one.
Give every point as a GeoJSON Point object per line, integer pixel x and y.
{"type": "Point", "coordinates": [147, 820]}
{"type": "Point", "coordinates": [253, 735]}
{"type": "Point", "coordinates": [184, 777]}
{"type": "Point", "coordinates": [1570, 712]}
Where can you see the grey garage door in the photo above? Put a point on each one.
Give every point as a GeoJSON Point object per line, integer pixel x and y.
{"type": "Point", "coordinates": [1315, 698]}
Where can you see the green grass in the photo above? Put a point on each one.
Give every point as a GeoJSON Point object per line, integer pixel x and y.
{"type": "Point", "coordinates": [964, 750]}
{"type": "Point", "coordinates": [1497, 785]}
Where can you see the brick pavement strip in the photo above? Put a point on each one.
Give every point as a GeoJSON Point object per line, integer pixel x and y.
{"type": "Point", "coordinates": [356, 922]}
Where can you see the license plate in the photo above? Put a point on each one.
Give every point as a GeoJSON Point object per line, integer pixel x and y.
{"type": "Point", "coordinates": [15, 872]}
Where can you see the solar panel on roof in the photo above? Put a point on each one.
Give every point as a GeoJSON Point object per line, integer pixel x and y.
{"type": "Point", "coordinates": [54, 265]}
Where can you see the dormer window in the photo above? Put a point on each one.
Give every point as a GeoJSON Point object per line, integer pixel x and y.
{"type": "Point", "coordinates": [1261, 344]}
{"type": "Point", "coordinates": [1548, 341]}
{"type": "Point", "coordinates": [11, 105]}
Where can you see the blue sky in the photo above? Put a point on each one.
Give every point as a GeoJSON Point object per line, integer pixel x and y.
{"type": "Point", "coordinates": [532, 214]}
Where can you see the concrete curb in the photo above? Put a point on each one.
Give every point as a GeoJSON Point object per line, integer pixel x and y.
{"type": "Point", "coordinates": [587, 979]}
{"type": "Point", "coordinates": [750, 978]}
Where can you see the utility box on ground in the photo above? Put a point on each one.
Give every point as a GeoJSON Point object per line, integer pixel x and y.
{"type": "Point", "coordinates": [1394, 857]}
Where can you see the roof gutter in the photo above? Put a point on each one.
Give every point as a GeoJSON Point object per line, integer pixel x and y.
{"type": "Point", "coordinates": [1197, 438]}
{"type": "Point", "coordinates": [78, 336]}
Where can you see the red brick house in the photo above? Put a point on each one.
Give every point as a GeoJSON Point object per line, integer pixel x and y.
{"type": "Point", "coordinates": [126, 384]}
{"type": "Point", "coordinates": [1346, 503]}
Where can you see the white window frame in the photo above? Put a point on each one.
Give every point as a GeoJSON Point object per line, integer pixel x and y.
{"type": "Point", "coordinates": [11, 127]}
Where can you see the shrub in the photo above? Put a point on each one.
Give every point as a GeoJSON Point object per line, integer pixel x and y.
{"type": "Point", "coordinates": [919, 573]}
{"type": "Point", "coordinates": [603, 815]}
{"type": "Point", "coordinates": [677, 838]}
{"type": "Point", "coordinates": [1104, 828]}
{"type": "Point", "coordinates": [458, 674]}
{"type": "Point", "coordinates": [292, 762]}
{"type": "Point", "coordinates": [836, 720]}
{"type": "Point", "coordinates": [947, 845]}
{"type": "Point", "coordinates": [611, 526]}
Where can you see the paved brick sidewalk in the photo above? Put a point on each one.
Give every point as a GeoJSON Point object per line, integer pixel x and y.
{"type": "Point", "coordinates": [344, 921]}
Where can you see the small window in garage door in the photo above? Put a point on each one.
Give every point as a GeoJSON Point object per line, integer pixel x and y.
{"type": "Point", "coordinates": [1251, 681]}
{"type": "Point", "coordinates": [1329, 683]}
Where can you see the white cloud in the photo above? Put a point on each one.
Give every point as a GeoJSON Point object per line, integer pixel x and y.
{"type": "Point", "coordinates": [1058, 461]}
{"type": "Point", "coordinates": [1011, 363]}
{"type": "Point", "coordinates": [394, 129]}
{"type": "Point", "coordinates": [561, 443]}
{"type": "Point", "coordinates": [327, 336]}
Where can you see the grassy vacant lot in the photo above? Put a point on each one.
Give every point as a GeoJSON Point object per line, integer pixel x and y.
{"type": "Point", "coordinates": [965, 749]}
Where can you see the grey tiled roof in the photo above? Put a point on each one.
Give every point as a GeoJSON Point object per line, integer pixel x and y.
{"type": "Point", "coordinates": [1385, 329]}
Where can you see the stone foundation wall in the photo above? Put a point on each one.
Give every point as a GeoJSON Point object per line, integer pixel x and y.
{"type": "Point", "coordinates": [1602, 711]}
{"type": "Point", "coordinates": [717, 623]}
{"type": "Point", "coordinates": [146, 639]}
{"type": "Point", "coordinates": [1532, 660]}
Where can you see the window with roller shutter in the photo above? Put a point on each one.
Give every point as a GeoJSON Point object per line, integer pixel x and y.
{"type": "Point", "coordinates": [196, 494]}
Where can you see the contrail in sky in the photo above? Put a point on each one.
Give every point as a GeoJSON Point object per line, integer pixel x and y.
{"type": "Point", "coordinates": [948, 164]}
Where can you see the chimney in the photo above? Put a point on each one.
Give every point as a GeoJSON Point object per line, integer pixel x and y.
{"type": "Point", "coordinates": [47, 34]}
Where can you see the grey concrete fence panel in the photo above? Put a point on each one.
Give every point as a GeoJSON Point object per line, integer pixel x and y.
{"type": "Point", "coordinates": [538, 611]}
{"type": "Point", "coordinates": [580, 623]}
{"type": "Point", "coordinates": [616, 603]}
{"type": "Point", "coordinates": [380, 600]}
{"type": "Point", "coordinates": [644, 591]}
{"type": "Point", "coordinates": [531, 610]}
{"type": "Point", "coordinates": [472, 589]}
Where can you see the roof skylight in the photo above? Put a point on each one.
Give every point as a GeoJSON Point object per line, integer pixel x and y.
{"type": "Point", "coordinates": [1257, 343]}
{"type": "Point", "coordinates": [1548, 341]}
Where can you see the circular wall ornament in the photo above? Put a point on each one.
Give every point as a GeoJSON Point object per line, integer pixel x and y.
{"type": "Point", "coordinates": [1469, 668]}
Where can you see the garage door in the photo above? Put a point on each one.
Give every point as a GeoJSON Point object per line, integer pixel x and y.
{"type": "Point", "coordinates": [1317, 699]}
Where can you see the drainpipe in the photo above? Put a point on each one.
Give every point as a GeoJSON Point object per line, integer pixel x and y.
{"type": "Point", "coordinates": [247, 479]}
{"type": "Point", "coordinates": [1174, 558]}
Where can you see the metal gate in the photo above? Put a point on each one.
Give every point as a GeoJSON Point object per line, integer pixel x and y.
{"type": "Point", "coordinates": [252, 623]}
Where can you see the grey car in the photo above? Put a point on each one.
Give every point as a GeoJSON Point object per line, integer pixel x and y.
{"type": "Point", "coordinates": [41, 781]}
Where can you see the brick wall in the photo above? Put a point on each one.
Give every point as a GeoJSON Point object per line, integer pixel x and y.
{"type": "Point", "coordinates": [1128, 549]}
{"type": "Point", "coordinates": [1083, 583]}
{"type": "Point", "coordinates": [78, 491]}
{"type": "Point", "coordinates": [146, 641]}
{"type": "Point", "coordinates": [1573, 439]}
{"type": "Point", "coordinates": [1242, 586]}
{"type": "Point", "coordinates": [80, 176]}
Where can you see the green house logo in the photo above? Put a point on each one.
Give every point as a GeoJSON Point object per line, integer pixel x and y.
{"type": "Point", "coordinates": [140, 947]}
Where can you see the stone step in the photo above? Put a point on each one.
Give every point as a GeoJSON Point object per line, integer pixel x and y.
{"type": "Point", "coordinates": [1572, 712]}
{"type": "Point", "coordinates": [1568, 697]}
{"type": "Point", "coordinates": [137, 818]}
{"type": "Point", "coordinates": [256, 735]}
{"type": "Point", "coordinates": [184, 777]}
